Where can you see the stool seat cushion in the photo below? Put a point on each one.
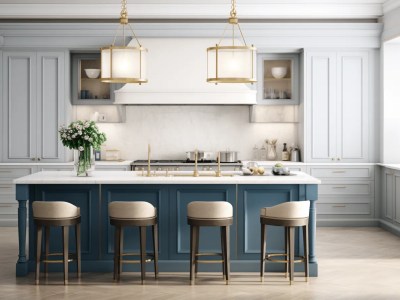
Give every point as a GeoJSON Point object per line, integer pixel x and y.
{"type": "Point", "coordinates": [287, 210]}
{"type": "Point", "coordinates": [209, 210]}
{"type": "Point", "coordinates": [54, 210]}
{"type": "Point", "coordinates": [131, 210]}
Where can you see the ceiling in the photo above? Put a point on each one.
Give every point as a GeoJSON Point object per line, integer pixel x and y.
{"type": "Point", "coordinates": [197, 9]}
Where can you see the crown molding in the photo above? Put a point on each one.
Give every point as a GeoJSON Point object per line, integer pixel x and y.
{"type": "Point", "coordinates": [266, 9]}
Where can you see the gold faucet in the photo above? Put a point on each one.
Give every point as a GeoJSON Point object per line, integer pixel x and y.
{"type": "Point", "coordinates": [148, 160]}
{"type": "Point", "coordinates": [195, 172]}
{"type": "Point", "coordinates": [218, 172]}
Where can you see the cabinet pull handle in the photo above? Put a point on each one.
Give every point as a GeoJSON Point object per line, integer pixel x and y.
{"type": "Point", "coordinates": [339, 187]}
{"type": "Point", "coordinates": [5, 205]}
{"type": "Point", "coordinates": [338, 171]}
{"type": "Point", "coordinates": [5, 187]}
{"type": "Point", "coordinates": [338, 205]}
{"type": "Point", "coordinates": [38, 159]}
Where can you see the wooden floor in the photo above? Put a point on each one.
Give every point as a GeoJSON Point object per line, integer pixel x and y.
{"type": "Point", "coordinates": [354, 263]}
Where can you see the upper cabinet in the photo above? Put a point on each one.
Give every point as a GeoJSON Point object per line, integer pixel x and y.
{"type": "Point", "coordinates": [33, 106]}
{"type": "Point", "coordinates": [337, 106]}
{"type": "Point", "coordinates": [278, 79]}
{"type": "Point", "coordinates": [87, 88]}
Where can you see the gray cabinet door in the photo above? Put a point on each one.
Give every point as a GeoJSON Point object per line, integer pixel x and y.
{"type": "Point", "coordinates": [19, 106]}
{"type": "Point", "coordinates": [50, 105]}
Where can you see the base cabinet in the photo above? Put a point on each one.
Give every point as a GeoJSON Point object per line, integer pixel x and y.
{"type": "Point", "coordinates": [390, 209]}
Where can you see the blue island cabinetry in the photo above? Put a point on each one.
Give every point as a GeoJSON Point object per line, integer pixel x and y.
{"type": "Point", "coordinates": [171, 202]}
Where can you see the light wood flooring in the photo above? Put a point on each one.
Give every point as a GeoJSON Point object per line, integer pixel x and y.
{"type": "Point", "coordinates": [354, 263]}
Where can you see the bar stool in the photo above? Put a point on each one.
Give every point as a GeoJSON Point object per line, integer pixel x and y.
{"type": "Point", "coordinates": [61, 214]}
{"type": "Point", "coordinates": [209, 213]}
{"type": "Point", "coordinates": [135, 213]}
{"type": "Point", "coordinates": [290, 215]}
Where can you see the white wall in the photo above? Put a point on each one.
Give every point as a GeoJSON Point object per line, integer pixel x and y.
{"type": "Point", "coordinates": [173, 130]}
{"type": "Point", "coordinates": [391, 103]}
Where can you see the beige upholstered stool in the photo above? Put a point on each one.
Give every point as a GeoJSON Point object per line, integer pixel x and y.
{"type": "Point", "coordinates": [135, 213]}
{"type": "Point", "coordinates": [62, 214]}
{"type": "Point", "coordinates": [290, 215]}
{"type": "Point", "coordinates": [209, 213]}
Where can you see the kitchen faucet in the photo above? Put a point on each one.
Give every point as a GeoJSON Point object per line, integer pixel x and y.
{"type": "Point", "coordinates": [218, 172]}
{"type": "Point", "coordinates": [195, 172]}
{"type": "Point", "coordinates": [148, 161]}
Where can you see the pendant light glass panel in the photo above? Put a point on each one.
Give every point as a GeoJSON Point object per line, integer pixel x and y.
{"type": "Point", "coordinates": [231, 64]}
{"type": "Point", "coordinates": [123, 64]}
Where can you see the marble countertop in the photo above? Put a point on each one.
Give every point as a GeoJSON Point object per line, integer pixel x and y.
{"type": "Point", "coordinates": [100, 163]}
{"type": "Point", "coordinates": [391, 166]}
{"type": "Point", "coordinates": [123, 177]}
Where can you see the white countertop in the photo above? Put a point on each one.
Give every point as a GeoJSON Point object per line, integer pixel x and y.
{"type": "Point", "coordinates": [123, 177]}
{"type": "Point", "coordinates": [391, 166]}
{"type": "Point", "coordinates": [99, 162]}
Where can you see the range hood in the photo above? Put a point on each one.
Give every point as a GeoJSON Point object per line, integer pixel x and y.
{"type": "Point", "coordinates": [177, 72]}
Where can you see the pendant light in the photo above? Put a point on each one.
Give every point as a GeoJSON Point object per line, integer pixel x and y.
{"type": "Point", "coordinates": [233, 63]}
{"type": "Point", "coordinates": [126, 63]}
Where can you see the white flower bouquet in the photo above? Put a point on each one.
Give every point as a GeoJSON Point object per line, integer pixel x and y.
{"type": "Point", "coordinates": [83, 136]}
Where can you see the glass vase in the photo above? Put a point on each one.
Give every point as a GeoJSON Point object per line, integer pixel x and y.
{"type": "Point", "coordinates": [271, 155]}
{"type": "Point", "coordinates": [84, 161]}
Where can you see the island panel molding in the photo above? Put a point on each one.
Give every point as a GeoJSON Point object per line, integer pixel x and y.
{"type": "Point", "coordinates": [171, 199]}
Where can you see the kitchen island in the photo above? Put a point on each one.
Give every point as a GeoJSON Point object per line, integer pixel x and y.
{"type": "Point", "coordinates": [170, 195]}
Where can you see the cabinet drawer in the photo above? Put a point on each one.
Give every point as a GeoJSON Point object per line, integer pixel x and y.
{"type": "Point", "coordinates": [7, 189]}
{"type": "Point", "coordinates": [346, 189]}
{"type": "Point", "coordinates": [343, 209]}
{"type": "Point", "coordinates": [340, 199]}
{"type": "Point", "coordinates": [351, 173]}
{"type": "Point", "coordinates": [8, 209]}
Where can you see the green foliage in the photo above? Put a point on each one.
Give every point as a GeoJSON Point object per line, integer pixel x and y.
{"type": "Point", "coordinates": [81, 135]}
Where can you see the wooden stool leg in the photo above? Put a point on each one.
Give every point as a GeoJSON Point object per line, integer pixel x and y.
{"type": "Point", "coordinates": [263, 246]}
{"type": "Point", "coordinates": [192, 252]}
{"type": "Point", "coordinates": [227, 254]}
{"type": "Point", "coordinates": [39, 230]}
{"type": "Point", "coordinates": [47, 250]}
{"type": "Point", "coordinates": [116, 252]}
{"type": "Point", "coordinates": [222, 251]}
{"type": "Point", "coordinates": [78, 249]}
{"type": "Point", "coordinates": [65, 230]}
{"type": "Point", "coordinates": [291, 253]}
{"type": "Point", "coordinates": [155, 249]}
{"type": "Point", "coordinates": [197, 241]}
{"type": "Point", "coordinates": [142, 230]}
{"type": "Point", "coordinates": [305, 242]}
{"type": "Point", "coordinates": [120, 250]}
{"type": "Point", "coordinates": [287, 250]}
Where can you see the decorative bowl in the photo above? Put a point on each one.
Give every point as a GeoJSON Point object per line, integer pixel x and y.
{"type": "Point", "coordinates": [280, 171]}
{"type": "Point", "coordinates": [92, 73]}
{"type": "Point", "coordinates": [279, 72]}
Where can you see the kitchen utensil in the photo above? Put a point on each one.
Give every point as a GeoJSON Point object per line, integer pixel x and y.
{"type": "Point", "coordinates": [92, 73]}
{"type": "Point", "coordinates": [229, 156]}
{"type": "Point", "coordinates": [279, 72]}
{"type": "Point", "coordinates": [201, 155]}
{"type": "Point", "coordinates": [295, 154]}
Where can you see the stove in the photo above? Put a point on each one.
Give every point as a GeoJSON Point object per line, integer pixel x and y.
{"type": "Point", "coordinates": [184, 165]}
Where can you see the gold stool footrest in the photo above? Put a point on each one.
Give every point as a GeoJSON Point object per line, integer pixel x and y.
{"type": "Point", "coordinates": [149, 258]}
{"type": "Point", "coordinates": [207, 261]}
{"type": "Point", "coordinates": [71, 257]}
{"type": "Point", "coordinates": [270, 258]}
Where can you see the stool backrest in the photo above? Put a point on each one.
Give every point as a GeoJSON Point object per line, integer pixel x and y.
{"type": "Point", "coordinates": [209, 210]}
{"type": "Point", "coordinates": [54, 210]}
{"type": "Point", "coordinates": [131, 210]}
{"type": "Point", "coordinates": [288, 210]}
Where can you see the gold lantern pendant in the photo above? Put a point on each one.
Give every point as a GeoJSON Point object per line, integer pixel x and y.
{"type": "Point", "coordinates": [126, 63]}
{"type": "Point", "coordinates": [231, 64]}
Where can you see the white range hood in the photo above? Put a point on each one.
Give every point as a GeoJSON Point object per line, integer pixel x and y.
{"type": "Point", "coordinates": [177, 72]}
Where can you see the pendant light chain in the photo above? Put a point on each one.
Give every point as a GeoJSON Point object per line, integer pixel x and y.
{"type": "Point", "coordinates": [233, 9]}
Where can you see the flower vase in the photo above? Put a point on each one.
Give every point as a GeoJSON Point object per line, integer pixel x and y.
{"type": "Point", "coordinates": [271, 155]}
{"type": "Point", "coordinates": [84, 161]}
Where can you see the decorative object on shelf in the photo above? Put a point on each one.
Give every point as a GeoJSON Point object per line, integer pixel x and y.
{"type": "Point", "coordinates": [279, 72]}
{"type": "Point", "coordinates": [271, 149]}
{"type": "Point", "coordinates": [82, 137]}
{"type": "Point", "coordinates": [92, 73]}
{"type": "Point", "coordinates": [233, 63]}
{"type": "Point", "coordinates": [126, 63]}
{"type": "Point", "coordinates": [280, 169]}
{"type": "Point", "coordinates": [285, 153]}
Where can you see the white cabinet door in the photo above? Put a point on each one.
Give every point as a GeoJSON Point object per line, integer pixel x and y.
{"type": "Point", "coordinates": [321, 106]}
{"type": "Point", "coordinates": [337, 113]}
{"type": "Point", "coordinates": [352, 107]}
{"type": "Point", "coordinates": [388, 195]}
{"type": "Point", "coordinates": [396, 196]}
{"type": "Point", "coordinates": [19, 106]}
{"type": "Point", "coordinates": [50, 107]}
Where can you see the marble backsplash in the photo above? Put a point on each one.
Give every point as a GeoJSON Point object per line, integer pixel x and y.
{"type": "Point", "coordinates": [173, 130]}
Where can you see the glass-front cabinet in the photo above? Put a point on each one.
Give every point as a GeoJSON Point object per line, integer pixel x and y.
{"type": "Point", "coordinates": [87, 88]}
{"type": "Point", "coordinates": [278, 79]}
